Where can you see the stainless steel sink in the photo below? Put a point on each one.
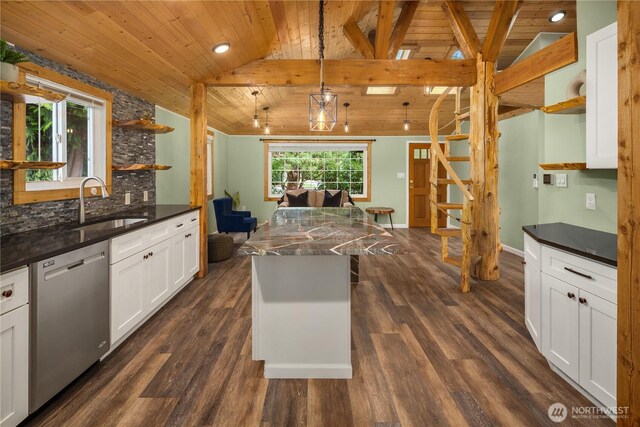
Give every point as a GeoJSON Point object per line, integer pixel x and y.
{"type": "Point", "coordinates": [110, 224]}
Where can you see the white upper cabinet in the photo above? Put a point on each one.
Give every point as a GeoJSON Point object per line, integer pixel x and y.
{"type": "Point", "coordinates": [602, 98]}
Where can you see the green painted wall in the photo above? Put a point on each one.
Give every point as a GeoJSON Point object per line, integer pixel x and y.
{"type": "Point", "coordinates": [245, 160]}
{"type": "Point", "coordinates": [172, 186]}
{"type": "Point", "coordinates": [564, 141]}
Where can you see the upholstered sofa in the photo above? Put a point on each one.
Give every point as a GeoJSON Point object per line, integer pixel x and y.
{"type": "Point", "coordinates": [316, 198]}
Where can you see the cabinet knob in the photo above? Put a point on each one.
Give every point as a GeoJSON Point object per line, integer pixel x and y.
{"type": "Point", "coordinates": [7, 293]}
{"type": "Point", "coordinates": [150, 253]}
{"type": "Point", "coordinates": [146, 257]}
{"type": "Point", "coordinates": [582, 300]}
{"type": "Point", "coordinates": [571, 295]}
{"type": "Point", "coordinates": [524, 262]}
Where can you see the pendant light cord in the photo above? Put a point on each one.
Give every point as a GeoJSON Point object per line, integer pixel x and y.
{"type": "Point", "coordinates": [321, 43]}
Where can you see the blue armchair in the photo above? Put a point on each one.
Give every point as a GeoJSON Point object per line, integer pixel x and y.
{"type": "Point", "coordinates": [232, 221]}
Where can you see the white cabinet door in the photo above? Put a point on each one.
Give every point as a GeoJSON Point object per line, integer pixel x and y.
{"type": "Point", "coordinates": [602, 98]}
{"type": "Point", "coordinates": [178, 257]}
{"type": "Point", "coordinates": [158, 279]}
{"type": "Point", "coordinates": [532, 289]}
{"type": "Point", "coordinates": [128, 282]}
{"type": "Point", "coordinates": [598, 328]}
{"type": "Point", "coordinates": [560, 325]}
{"type": "Point", "coordinates": [14, 366]}
{"type": "Point", "coordinates": [192, 252]}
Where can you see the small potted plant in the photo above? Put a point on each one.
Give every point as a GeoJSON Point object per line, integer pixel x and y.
{"type": "Point", "coordinates": [8, 60]}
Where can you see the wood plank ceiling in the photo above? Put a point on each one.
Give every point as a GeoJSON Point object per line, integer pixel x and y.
{"type": "Point", "coordinates": [156, 49]}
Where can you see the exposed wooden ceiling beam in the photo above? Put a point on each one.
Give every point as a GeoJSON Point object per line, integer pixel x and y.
{"type": "Point", "coordinates": [503, 16]}
{"type": "Point", "coordinates": [402, 26]}
{"type": "Point", "coordinates": [556, 55]}
{"type": "Point", "coordinates": [462, 28]}
{"type": "Point", "coordinates": [350, 72]}
{"type": "Point", "coordinates": [383, 28]}
{"type": "Point", "coordinates": [358, 40]}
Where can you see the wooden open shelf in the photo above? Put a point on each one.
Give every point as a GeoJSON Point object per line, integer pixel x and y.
{"type": "Point", "coordinates": [12, 91]}
{"type": "Point", "coordinates": [25, 164]}
{"type": "Point", "coordinates": [570, 106]}
{"type": "Point", "coordinates": [563, 166]}
{"type": "Point", "coordinates": [140, 167]}
{"type": "Point", "coordinates": [143, 125]}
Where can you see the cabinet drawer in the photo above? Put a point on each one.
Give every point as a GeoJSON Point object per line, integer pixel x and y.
{"type": "Point", "coordinates": [158, 233]}
{"type": "Point", "coordinates": [592, 276]}
{"type": "Point", "coordinates": [128, 244]}
{"type": "Point", "coordinates": [14, 289]}
{"type": "Point", "coordinates": [531, 251]}
{"type": "Point", "coordinates": [184, 222]}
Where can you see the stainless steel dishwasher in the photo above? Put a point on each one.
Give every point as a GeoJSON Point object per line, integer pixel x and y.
{"type": "Point", "coordinates": [69, 318]}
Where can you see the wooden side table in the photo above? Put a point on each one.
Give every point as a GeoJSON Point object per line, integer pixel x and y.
{"type": "Point", "coordinates": [382, 210]}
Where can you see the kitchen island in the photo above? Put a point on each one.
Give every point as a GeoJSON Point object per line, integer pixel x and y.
{"type": "Point", "coordinates": [301, 308]}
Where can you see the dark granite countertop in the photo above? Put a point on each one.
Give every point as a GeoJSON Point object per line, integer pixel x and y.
{"type": "Point", "coordinates": [593, 244]}
{"type": "Point", "coordinates": [321, 231]}
{"type": "Point", "coordinates": [24, 248]}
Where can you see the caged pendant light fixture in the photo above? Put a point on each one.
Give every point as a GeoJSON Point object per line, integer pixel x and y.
{"type": "Point", "coordinates": [346, 116]}
{"type": "Point", "coordinates": [406, 117]}
{"type": "Point", "coordinates": [267, 128]}
{"type": "Point", "coordinates": [323, 106]}
{"type": "Point", "coordinates": [256, 121]}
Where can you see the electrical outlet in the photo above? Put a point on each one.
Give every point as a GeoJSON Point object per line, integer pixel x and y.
{"type": "Point", "coordinates": [535, 180]}
{"type": "Point", "coordinates": [127, 198]}
{"type": "Point", "coordinates": [591, 201]}
{"type": "Point", "coordinates": [145, 196]}
{"type": "Point", "coordinates": [93, 191]}
{"type": "Point", "coordinates": [400, 175]}
{"type": "Point", "coordinates": [561, 180]}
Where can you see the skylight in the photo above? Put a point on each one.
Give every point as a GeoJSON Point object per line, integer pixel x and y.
{"type": "Point", "coordinates": [457, 55]}
{"type": "Point", "coordinates": [403, 54]}
{"type": "Point", "coordinates": [381, 90]}
{"type": "Point", "coordinates": [437, 90]}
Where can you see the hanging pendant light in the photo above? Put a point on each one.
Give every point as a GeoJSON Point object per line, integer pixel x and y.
{"type": "Point", "coordinates": [346, 116]}
{"type": "Point", "coordinates": [256, 121]}
{"type": "Point", "coordinates": [406, 117]}
{"type": "Point", "coordinates": [267, 128]}
{"type": "Point", "coordinates": [323, 106]}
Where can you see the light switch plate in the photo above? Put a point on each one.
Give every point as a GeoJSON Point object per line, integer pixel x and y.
{"type": "Point", "coordinates": [535, 180]}
{"type": "Point", "coordinates": [591, 201]}
{"type": "Point", "coordinates": [561, 180]}
{"type": "Point", "coordinates": [401, 175]}
{"type": "Point", "coordinates": [127, 198]}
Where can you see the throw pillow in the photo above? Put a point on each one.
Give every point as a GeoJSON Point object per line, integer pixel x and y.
{"type": "Point", "coordinates": [332, 200]}
{"type": "Point", "coordinates": [299, 201]}
{"type": "Point", "coordinates": [235, 197]}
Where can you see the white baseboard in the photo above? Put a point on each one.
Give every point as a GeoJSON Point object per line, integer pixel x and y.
{"type": "Point", "coordinates": [281, 370]}
{"type": "Point", "coordinates": [386, 225]}
{"type": "Point", "coordinates": [513, 250]}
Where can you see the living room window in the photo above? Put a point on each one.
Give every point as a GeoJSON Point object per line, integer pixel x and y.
{"type": "Point", "coordinates": [75, 131]}
{"type": "Point", "coordinates": [318, 166]}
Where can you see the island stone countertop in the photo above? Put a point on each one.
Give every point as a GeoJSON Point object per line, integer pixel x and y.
{"type": "Point", "coordinates": [321, 231]}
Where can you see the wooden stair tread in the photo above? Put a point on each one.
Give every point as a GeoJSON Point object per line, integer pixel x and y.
{"type": "Point", "coordinates": [452, 206]}
{"type": "Point", "coordinates": [449, 181]}
{"type": "Point", "coordinates": [451, 232]}
{"type": "Point", "coordinates": [458, 158]}
{"type": "Point", "coordinates": [457, 260]}
{"type": "Point", "coordinates": [459, 137]}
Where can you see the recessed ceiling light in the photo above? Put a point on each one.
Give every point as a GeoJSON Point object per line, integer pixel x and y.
{"type": "Point", "coordinates": [557, 16]}
{"type": "Point", "coordinates": [221, 48]}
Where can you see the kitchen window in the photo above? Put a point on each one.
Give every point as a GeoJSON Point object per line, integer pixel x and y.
{"type": "Point", "coordinates": [318, 166]}
{"type": "Point", "coordinates": [76, 131]}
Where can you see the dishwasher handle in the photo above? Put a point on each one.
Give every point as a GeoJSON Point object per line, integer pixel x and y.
{"type": "Point", "coordinates": [69, 267]}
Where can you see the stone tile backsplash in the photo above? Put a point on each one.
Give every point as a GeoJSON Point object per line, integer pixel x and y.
{"type": "Point", "coordinates": [127, 146]}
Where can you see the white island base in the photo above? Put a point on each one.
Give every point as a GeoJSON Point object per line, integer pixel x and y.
{"type": "Point", "coordinates": [302, 315]}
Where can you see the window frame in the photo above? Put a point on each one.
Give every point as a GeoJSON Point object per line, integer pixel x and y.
{"type": "Point", "coordinates": [267, 165]}
{"type": "Point", "coordinates": [21, 195]}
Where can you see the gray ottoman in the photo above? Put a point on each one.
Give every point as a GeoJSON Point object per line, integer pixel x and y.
{"type": "Point", "coordinates": [220, 247]}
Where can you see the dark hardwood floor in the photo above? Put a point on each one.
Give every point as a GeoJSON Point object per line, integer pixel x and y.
{"type": "Point", "coordinates": [423, 355]}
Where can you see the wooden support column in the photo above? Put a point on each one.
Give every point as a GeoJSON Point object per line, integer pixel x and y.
{"type": "Point", "coordinates": [629, 211]}
{"type": "Point", "coordinates": [483, 141]}
{"type": "Point", "coordinates": [198, 178]}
